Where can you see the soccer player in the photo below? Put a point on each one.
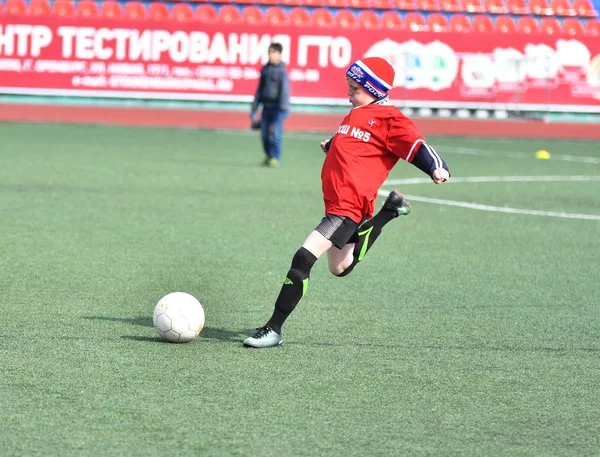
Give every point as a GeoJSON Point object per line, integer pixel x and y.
{"type": "Point", "coordinates": [371, 139]}
{"type": "Point", "coordinates": [273, 93]}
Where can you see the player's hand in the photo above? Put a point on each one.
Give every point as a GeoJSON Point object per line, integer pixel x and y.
{"type": "Point", "coordinates": [440, 175]}
{"type": "Point", "coordinates": [325, 146]}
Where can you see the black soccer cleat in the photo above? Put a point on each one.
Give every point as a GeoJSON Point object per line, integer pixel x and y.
{"type": "Point", "coordinates": [396, 202]}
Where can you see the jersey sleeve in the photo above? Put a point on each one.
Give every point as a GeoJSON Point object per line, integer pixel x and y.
{"type": "Point", "coordinates": [403, 138]}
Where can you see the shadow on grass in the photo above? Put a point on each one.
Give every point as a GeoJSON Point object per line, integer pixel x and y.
{"type": "Point", "coordinates": [208, 333]}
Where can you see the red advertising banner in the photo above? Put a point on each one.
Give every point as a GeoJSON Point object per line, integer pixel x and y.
{"type": "Point", "coordinates": [143, 59]}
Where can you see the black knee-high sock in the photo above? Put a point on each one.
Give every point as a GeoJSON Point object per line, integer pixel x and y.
{"type": "Point", "coordinates": [366, 235]}
{"type": "Point", "coordinates": [293, 289]}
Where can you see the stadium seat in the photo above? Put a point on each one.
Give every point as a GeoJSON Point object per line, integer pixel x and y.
{"type": "Point", "coordinates": [359, 4]}
{"type": "Point", "coordinates": [573, 27]}
{"type": "Point", "coordinates": [268, 2]}
{"type": "Point", "coordinates": [15, 8]}
{"type": "Point", "coordinates": [252, 14]}
{"type": "Point", "coordinates": [527, 24]}
{"type": "Point", "coordinates": [299, 16]}
{"type": "Point", "coordinates": [63, 8]}
{"type": "Point", "coordinates": [519, 7]}
{"type": "Point", "coordinates": [291, 3]}
{"type": "Point", "coordinates": [135, 10]}
{"type": "Point", "coordinates": [474, 6]}
{"type": "Point", "coordinates": [87, 8]}
{"type": "Point", "coordinates": [563, 8]}
{"type": "Point", "coordinates": [429, 5]}
{"type": "Point", "coordinates": [592, 27]}
{"type": "Point", "coordinates": [158, 11]}
{"type": "Point", "coordinates": [383, 4]}
{"type": "Point", "coordinates": [460, 23]}
{"type": "Point", "coordinates": [345, 19]}
{"type": "Point", "coordinates": [391, 20]}
{"type": "Point", "coordinates": [228, 14]}
{"type": "Point", "coordinates": [550, 26]}
{"type": "Point", "coordinates": [415, 22]}
{"type": "Point", "coordinates": [206, 13]}
{"type": "Point", "coordinates": [496, 7]}
{"type": "Point", "coordinates": [336, 3]}
{"type": "Point", "coordinates": [39, 8]}
{"type": "Point", "coordinates": [322, 17]}
{"type": "Point", "coordinates": [276, 16]}
{"type": "Point", "coordinates": [438, 22]}
{"type": "Point", "coordinates": [368, 20]}
{"type": "Point", "coordinates": [182, 12]}
{"type": "Point", "coordinates": [505, 24]}
{"type": "Point", "coordinates": [541, 8]}
{"type": "Point", "coordinates": [584, 8]}
{"type": "Point", "coordinates": [482, 23]}
{"type": "Point", "coordinates": [111, 9]}
{"type": "Point", "coordinates": [406, 5]}
{"type": "Point", "coordinates": [313, 3]}
{"type": "Point", "coordinates": [452, 6]}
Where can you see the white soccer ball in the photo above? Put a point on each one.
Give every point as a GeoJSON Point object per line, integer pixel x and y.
{"type": "Point", "coordinates": [178, 317]}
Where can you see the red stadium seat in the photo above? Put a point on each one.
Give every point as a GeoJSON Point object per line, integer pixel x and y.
{"type": "Point", "coordinates": [415, 22]}
{"type": "Point", "coordinates": [541, 8]}
{"type": "Point", "coordinates": [550, 26]}
{"type": "Point", "coordinates": [313, 3]}
{"type": "Point", "coordinates": [268, 2]}
{"type": "Point", "coordinates": [437, 22]}
{"type": "Point", "coordinates": [482, 23]}
{"type": "Point", "coordinates": [406, 5]}
{"type": "Point", "coordinates": [496, 7]}
{"type": "Point", "coordinates": [518, 7]}
{"type": "Point", "coordinates": [505, 24]}
{"type": "Point", "coordinates": [15, 8]}
{"type": "Point", "coordinates": [460, 23]}
{"type": "Point", "coordinates": [228, 14]}
{"type": "Point", "coordinates": [111, 9]}
{"type": "Point", "coordinates": [474, 6]}
{"type": "Point", "coordinates": [87, 8]}
{"type": "Point", "coordinates": [584, 8]}
{"type": "Point", "coordinates": [527, 24]}
{"type": "Point", "coordinates": [391, 20]}
{"type": "Point", "coordinates": [592, 27]}
{"type": "Point", "coordinates": [452, 6]}
{"type": "Point", "coordinates": [322, 17]}
{"type": "Point", "coordinates": [252, 15]}
{"type": "Point", "coordinates": [563, 8]}
{"type": "Point", "coordinates": [368, 20]}
{"type": "Point", "coordinates": [276, 16]}
{"type": "Point", "coordinates": [182, 12]}
{"type": "Point", "coordinates": [346, 19]}
{"type": "Point", "coordinates": [206, 13]}
{"type": "Point", "coordinates": [359, 4]}
{"type": "Point", "coordinates": [63, 8]}
{"type": "Point", "coordinates": [429, 5]}
{"type": "Point", "coordinates": [158, 12]}
{"type": "Point", "coordinates": [291, 2]}
{"type": "Point", "coordinates": [135, 10]}
{"type": "Point", "coordinates": [39, 8]}
{"type": "Point", "coordinates": [573, 27]}
{"type": "Point", "coordinates": [336, 3]}
{"type": "Point", "coordinates": [299, 16]}
{"type": "Point", "coordinates": [383, 4]}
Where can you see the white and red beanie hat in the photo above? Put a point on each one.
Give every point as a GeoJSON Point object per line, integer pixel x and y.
{"type": "Point", "coordinates": [374, 74]}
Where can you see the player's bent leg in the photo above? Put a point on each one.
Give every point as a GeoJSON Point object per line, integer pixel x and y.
{"type": "Point", "coordinates": [340, 259]}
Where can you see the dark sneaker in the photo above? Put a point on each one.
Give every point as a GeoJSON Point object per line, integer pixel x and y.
{"type": "Point", "coordinates": [396, 202]}
{"type": "Point", "coordinates": [265, 337]}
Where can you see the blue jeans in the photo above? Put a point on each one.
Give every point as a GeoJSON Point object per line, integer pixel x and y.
{"type": "Point", "coordinates": [272, 131]}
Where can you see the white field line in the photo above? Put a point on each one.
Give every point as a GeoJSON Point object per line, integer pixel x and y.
{"type": "Point", "coordinates": [499, 209]}
{"type": "Point", "coordinates": [516, 155]}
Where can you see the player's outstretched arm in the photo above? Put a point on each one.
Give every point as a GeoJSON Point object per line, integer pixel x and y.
{"type": "Point", "coordinates": [429, 162]}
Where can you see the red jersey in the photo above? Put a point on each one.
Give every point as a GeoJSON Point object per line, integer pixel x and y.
{"type": "Point", "coordinates": [367, 145]}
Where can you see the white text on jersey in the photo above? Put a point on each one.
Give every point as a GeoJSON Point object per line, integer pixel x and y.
{"type": "Point", "coordinates": [356, 132]}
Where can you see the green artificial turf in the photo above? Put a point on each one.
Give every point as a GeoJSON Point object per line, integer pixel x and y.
{"type": "Point", "coordinates": [462, 333]}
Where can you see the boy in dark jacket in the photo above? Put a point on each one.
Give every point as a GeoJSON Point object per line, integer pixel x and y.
{"type": "Point", "coordinates": [273, 93]}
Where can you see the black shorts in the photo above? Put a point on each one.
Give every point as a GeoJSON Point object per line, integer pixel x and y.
{"type": "Point", "coordinates": [337, 229]}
